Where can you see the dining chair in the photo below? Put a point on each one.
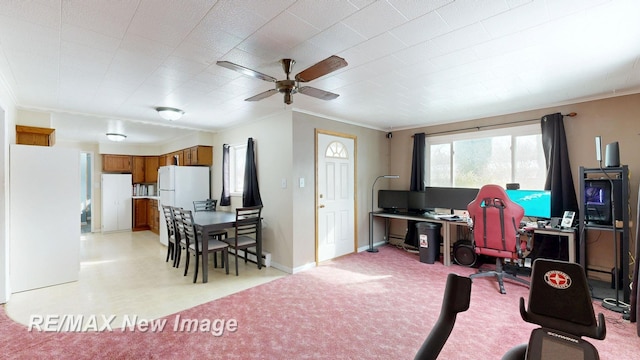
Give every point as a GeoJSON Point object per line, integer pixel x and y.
{"type": "Point", "coordinates": [210, 205]}
{"type": "Point", "coordinates": [180, 244]}
{"type": "Point", "coordinates": [205, 205]}
{"type": "Point", "coordinates": [171, 246]}
{"type": "Point", "coordinates": [246, 232]}
{"type": "Point", "coordinates": [194, 245]}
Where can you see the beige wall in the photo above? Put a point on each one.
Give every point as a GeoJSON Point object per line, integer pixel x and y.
{"type": "Point", "coordinates": [285, 149]}
{"type": "Point", "coordinates": [272, 137]}
{"type": "Point", "coordinates": [372, 160]}
{"type": "Point", "coordinates": [615, 119]}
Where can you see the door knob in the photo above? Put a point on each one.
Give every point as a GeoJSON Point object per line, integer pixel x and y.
{"type": "Point", "coordinates": [321, 206]}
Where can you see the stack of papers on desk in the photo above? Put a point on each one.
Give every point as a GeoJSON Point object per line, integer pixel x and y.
{"type": "Point", "coordinates": [448, 217]}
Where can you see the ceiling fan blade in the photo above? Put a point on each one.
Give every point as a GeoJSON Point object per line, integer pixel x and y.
{"type": "Point", "coordinates": [246, 71]}
{"type": "Point", "coordinates": [317, 93]}
{"type": "Point", "coordinates": [330, 64]}
{"type": "Point", "coordinates": [262, 95]}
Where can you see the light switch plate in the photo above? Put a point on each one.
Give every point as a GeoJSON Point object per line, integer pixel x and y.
{"type": "Point", "coordinates": [301, 181]}
{"type": "Point", "coordinates": [284, 183]}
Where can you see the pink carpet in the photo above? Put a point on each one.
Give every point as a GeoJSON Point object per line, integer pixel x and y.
{"type": "Point", "coordinates": [361, 306]}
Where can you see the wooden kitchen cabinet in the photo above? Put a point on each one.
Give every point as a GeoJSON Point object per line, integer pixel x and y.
{"type": "Point", "coordinates": [151, 165]}
{"type": "Point", "coordinates": [29, 135]}
{"type": "Point", "coordinates": [198, 155]}
{"type": "Point", "coordinates": [153, 216]}
{"type": "Point", "coordinates": [140, 217]}
{"type": "Point", "coordinates": [145, 169]}
{"type": "Point", "coordinates": [169, 159]}
{"type": "Point", "coordinates": [138, 171]}
{"type": "Point", "coordinates": [116, 163]}
{"type": "Point", "coordinates": [180, 155]}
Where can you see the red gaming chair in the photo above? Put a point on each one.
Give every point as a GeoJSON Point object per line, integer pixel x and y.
{"type": "Point", "coordinates": [496, 221]}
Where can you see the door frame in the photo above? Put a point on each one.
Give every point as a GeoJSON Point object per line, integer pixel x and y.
{"type": "Point", "coordinates": [91, 156]}
{"type": "Point", "coordinates": [355, 185]}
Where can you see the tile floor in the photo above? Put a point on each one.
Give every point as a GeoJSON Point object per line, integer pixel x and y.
{"type": "Point", "coordinates": [125, 274]}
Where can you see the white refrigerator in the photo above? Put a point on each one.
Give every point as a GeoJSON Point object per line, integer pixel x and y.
{"type": "Point", "coordinates": [116, 202]}
{"type": "Point", "coordinates": [180, 186]}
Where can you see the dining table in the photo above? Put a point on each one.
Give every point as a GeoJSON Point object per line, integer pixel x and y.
{"type": "Point", "coordinates": [211, 221]}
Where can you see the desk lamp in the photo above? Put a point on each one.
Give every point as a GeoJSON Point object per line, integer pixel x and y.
{"type": "Point", "coordinates": [371, 248]}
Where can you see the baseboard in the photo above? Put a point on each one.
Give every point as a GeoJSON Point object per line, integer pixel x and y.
{"type": "Point", "coordinates": [304, 267]}
{"type": "Point", "coordinates": [251, 256]}
{"type": "Point", "coordinates": [281, 267]}
{"type": "Point", "coordinates": [289, 270]}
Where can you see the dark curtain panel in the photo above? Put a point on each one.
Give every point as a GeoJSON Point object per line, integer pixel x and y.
{"type": "Point", "coordinates": [251, 193]}
{"type": "Point", "coordinates": [417, 182]}
{"type": "Point", "coordinates": [559, 178]}
{"type": "Point", "coordinates": [225, 198]}
{"type": "Point", "coordinates": [418, 163]}
{"type": "Point", "coordinates": [635, 292]}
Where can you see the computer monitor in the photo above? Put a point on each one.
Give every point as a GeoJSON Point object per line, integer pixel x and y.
{"type": "Point", "coordinates": [536, 203]}
{"type": "Point", "coordinates": [393, 200]}
{"type": "Point", "coordinates": [450, 198]}
{"type": "Point", "coordinates": [418, 202]}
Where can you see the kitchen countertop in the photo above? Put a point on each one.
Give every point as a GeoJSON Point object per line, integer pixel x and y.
{"type": "Point", "coordinates": [146, 197]}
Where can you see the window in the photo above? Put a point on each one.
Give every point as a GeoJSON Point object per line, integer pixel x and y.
{"type": "Point", "coordinates": [237, 158]}
{"type": "Point", "coordinates": [336, 150]}
{"type": "Point", "coordinates": [511, 155]}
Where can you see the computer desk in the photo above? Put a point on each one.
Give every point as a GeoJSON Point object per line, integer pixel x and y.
{"type": "Point", "coordinates": [446, 228]}
{"type": "Point", "coordinates": [448, 225]}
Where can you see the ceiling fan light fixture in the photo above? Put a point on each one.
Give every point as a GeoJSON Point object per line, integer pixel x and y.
{"type": "Point", "coordinates": [169, 113]}
{"type": "Point", "coordinates": [116, 137]}
{"type": "Point", "coordinates": [288, 99]}
{"type": "Point", "coordinates": [289, 86]}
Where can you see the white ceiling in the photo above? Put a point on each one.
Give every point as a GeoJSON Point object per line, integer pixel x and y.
{"type": "Point", "coordinates": [97, 64]}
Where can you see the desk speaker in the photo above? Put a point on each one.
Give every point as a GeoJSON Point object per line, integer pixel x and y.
{"type": "Point", "coordinates": [463, 253]}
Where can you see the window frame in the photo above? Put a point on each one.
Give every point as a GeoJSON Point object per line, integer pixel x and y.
{"type": "Point", "coordinates": [233, 165]}
{"type": "Point", "coordinates": [442, 139]}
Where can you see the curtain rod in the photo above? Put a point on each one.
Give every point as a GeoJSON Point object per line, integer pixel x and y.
{"type": "Point", "coordinates": [571, 114]}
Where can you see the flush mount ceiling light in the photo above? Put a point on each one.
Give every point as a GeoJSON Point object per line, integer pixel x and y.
{"type": "Point", "coordinates": [169, 113]}
{"type": "Point", "coordinates": [116, 137]}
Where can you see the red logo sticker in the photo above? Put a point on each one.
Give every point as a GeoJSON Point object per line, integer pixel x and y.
{"type": "Point", "coordinates": [557, 279]}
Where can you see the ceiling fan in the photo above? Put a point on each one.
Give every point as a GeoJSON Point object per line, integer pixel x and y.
{"type": "Point", "coordinates": [289, 87]}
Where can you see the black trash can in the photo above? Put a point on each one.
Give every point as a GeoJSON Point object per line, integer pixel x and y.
{"type": "Point", "coordinates": [428, 241]}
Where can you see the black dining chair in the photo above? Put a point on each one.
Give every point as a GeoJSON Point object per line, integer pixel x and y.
{"type": "Point", "coordinates": [171, 246]}
{"type": "Point", "coordinates": [246, 232]}
{"type": "Point", "coordinates": [180, 244]}
{"type": "Point", "coordinates": [205, 205]}
{"type": "Point", "coordinates": [194, 245]}
{"type": "Point", "coordinates": [209, 205]}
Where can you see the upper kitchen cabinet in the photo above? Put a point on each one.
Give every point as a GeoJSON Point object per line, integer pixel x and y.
{"type": "Point", "coordinates": [138, 171]}
{"type": "Point", "coordinates": [145, 169]}
{"type": "Point", "coordinates": [29, 135]}
{"type": "Point", "coordinates": [116, 163]}
{"type": "Point", "coordinates": [198, 155]}
{"type": "Point", "coordinates": [171, 158]}
{"type": "Point", "coordinates": [151, 165]}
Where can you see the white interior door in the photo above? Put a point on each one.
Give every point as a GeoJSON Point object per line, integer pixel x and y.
{"type": "Point", "coordinates": [335, 196]}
